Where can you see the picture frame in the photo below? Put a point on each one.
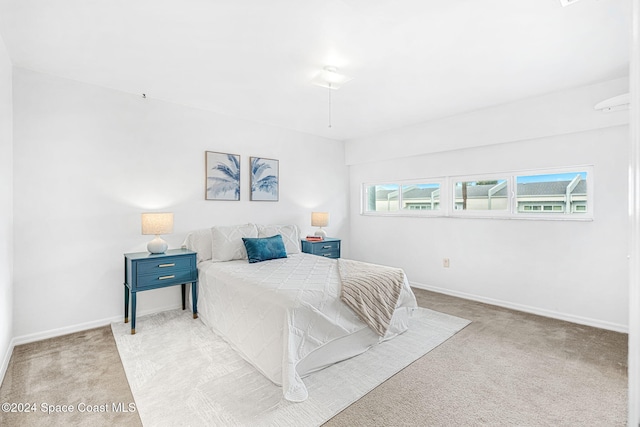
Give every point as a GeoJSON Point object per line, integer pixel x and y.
{"type": "Point", "coordinates": [222, 176]}
{"type": "Point", "coordinates": [265, 179]}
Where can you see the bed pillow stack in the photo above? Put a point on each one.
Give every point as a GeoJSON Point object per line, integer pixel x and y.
{"type": "Point", "coordinates": [224, 242]}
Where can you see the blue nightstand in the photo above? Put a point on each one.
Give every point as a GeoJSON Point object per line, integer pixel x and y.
{"type": "Point", "coordinates": [329, 247]}
{"type": "Point", "coordinates": [144, 271]}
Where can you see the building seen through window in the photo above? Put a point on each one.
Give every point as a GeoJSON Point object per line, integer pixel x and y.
{"type": "Point", "coordinates": [387, 198]}
{"type": "Point", "coordinates": [554, 193]}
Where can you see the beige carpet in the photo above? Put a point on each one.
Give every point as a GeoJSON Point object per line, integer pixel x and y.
{"type": "Point", "coordinates": [507, 368]}
{"type": "Point", "coordinates": [74, 370]}
{"type": "Point", "coordinates": [175, 358]}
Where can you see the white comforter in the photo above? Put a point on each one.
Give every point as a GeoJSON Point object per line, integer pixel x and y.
{"type": "Point", "coordinates": [276, 313]}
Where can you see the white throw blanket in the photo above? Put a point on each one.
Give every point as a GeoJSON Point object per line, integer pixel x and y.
{"type": "Point", "coordinates": [372, 291]}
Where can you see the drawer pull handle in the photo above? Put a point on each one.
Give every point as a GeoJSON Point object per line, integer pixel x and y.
{"type": "Point", "coordinates": [326, 247]}
{"type": "Point", "coordinates": [326, 254]}
{"type": "Point", "coordinates": [166, 277]}
{"type": "Point", "coordinates": [167, 265]}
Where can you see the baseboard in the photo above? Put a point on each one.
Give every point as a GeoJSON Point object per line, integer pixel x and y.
{"type": "Point", "coordinates": [6, 359]}
{"type": "Point", "coordinates": [52, 333]}
{"type": "Point", "coordinates": [528, 309]}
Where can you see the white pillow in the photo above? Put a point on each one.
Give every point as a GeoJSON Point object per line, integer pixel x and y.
{"type": "Point", "coordinates": [290, 236]}
{"type": "Point", "coordinates": [199, 241]}
{"type": "Point", "coordinates": [227, 242]}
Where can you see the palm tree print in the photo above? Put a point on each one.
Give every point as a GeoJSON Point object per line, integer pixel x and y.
{"type": "Point", "coordinates": [264, 179]}
{"type": "Point", "coordinates": [223, 176]}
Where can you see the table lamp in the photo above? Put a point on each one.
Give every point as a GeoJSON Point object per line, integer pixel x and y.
{"type": "Point", "coordinates": [157, 223]}
{"type": "Point", "coordinates": [320, 219]}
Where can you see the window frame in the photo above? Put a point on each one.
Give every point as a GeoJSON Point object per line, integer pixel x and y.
{"type": "Point", "coordinates": [443, 203]}
{"type": "Point", "coordinates": [572, 215]}
{"type": "Point", "coordinates": [448, 197]}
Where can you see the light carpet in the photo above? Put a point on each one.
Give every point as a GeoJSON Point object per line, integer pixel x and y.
{"type": "Point", "coordinates": [182, 374]}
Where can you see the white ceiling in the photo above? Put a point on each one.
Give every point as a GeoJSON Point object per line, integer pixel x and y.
{"type": "Point", "coordinates": [411, 60]}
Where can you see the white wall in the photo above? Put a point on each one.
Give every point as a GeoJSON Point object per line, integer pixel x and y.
{"type": "Point", "coordinates": [557, 113]}
{"type": "Point", "coordinates": [88, 161]}
{"type": "Point", "coordinates": [571, 270]}
{"type": "Point", "coordinates": [6, 209]}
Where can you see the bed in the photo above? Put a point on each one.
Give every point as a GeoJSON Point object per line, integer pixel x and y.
{"type": "Point", "coordinates": [285, 315]}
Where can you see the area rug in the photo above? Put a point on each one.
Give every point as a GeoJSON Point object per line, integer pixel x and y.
{"type": "Point", "coordinates": [182, 374]}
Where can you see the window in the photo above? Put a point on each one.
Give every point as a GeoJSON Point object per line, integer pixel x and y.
{"type": "Point", "coordinates": [529, 207]}
{"type": "Point", "coordinates": [382, 198]}
{"type": "Point", "coordinates": [565, 193]}
{"type": "Point", "coordinates": [412, 197]}
{"type": "Point", "coordinates": [481, 195]}
{"type": "Point", "coordinates": [424, 197]}
{"type": "Point", "coordinates": [552, 193]}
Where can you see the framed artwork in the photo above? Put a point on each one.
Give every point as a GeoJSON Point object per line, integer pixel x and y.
{"type": "Point", "coordinates": [264, 179]}
{"type": "Point", "coordinates": [222, 175]}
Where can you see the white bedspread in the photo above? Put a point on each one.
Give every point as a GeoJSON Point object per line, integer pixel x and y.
{"type": "Point", "coordinates": [276, 313]}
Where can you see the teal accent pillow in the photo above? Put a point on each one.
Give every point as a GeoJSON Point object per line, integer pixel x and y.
{"type": "Point", "coordinates": [265, 248]}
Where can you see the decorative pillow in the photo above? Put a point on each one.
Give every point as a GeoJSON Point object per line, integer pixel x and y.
{"type": "Point", "coordinates": [227, 241]}
{"type": "Point", "coordinates": [265, 248]}
{"type": "Point", "coordinates": [290, 235]}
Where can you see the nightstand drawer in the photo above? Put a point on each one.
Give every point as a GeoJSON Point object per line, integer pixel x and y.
{"type": "Point", "coordinates": [169, 277]}
{"type": "Point", "coordinates": [329, 254]}
{"type": "Point", "coordinates": [164, 266]}
{"type": "Point", "coordinates": [325, 247]}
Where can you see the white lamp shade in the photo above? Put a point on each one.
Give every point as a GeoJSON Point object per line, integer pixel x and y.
{"type": "Point", "coordinates": [319, 219]}
{"type": "Point", "coordinates": [157, 223]}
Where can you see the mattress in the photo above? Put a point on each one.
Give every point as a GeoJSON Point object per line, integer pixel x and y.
{"type": "Point", "coordinates": [285, 316]}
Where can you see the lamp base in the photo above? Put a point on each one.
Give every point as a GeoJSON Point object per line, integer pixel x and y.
{"type": "Point", "coordinates": [321, 233]}
{"type": "Point", "coordinates": [157, 246]}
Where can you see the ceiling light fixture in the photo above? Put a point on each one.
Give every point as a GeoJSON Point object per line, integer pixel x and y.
{"type": "Point", "coordinates": [332, 80]}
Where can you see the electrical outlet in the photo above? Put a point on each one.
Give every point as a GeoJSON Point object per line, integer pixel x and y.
{"type": "Point", "coordinates": [445, 262]}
